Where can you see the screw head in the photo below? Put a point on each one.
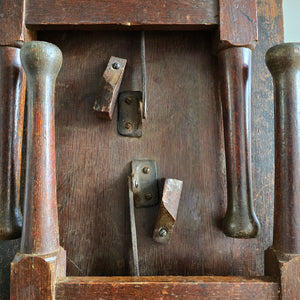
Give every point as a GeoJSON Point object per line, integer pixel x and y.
{"type": "Point", "coordinates": [163, 232]}
{"type": "Point", "coordinates": [128, 100]}
{"type": "Point", "coordinates": [146, 170]}
{"type": "Point", "coordinates": [148, 196]}
{"type": "Point", "coordinates": [128, 125]}
{"type": "Point", "coordinates": [116, 66]}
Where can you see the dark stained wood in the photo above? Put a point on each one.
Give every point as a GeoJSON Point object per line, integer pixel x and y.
{"type": "Point", "coordinates": [92, 180]}
{"type": "Point", "coordinates": [286, 268]}
{"type": "Point", "coordinates": [238, 22]}
{"type": "Point", "coordinates": [42, 62]}
{"type": "Point", "coordinates": [124, 13]}
{"type": "Point", "coordinates": [240, 220]}
{"type": "Point", "coordinates": [12, 100]}
{"type": "Point", "coordinates": [283, 258]}
{"type": "Point", "coordinates": [12, 19]}
{"type": "Point", "coordinates": [245, 256]}
{"type": "Point", "coordinates": [283, 62]}
{"type": "Point", "coordinates": [28, 284]}
{"type": "Point", "coordinates": [166, 288]}
{"type": "Point", "coordinates": [186, 143]}
{"type": "Point", "coordinates": [33, 277]}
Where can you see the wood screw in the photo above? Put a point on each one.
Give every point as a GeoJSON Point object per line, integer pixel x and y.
{"type": "Point", "coordinates": [128, 100]}
{"type": "Point", "coordinates": [116, 66]}
{"type": "Point", "coordinates": [128, 125]}
{"type": "Point", "coordinates": [146, 170]}
{"type": "Point", "coordinates": [148, 196]}
{"type": "Point", "coordinates": [163, 232]}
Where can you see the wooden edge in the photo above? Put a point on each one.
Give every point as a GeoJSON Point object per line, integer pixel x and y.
{"type": "Point", "coordinates": [238, 23]}
{"type": "Point", "coordinates": [120, 12]}
{"type": "Point", "coordinates": [13, 31]}
{"type": "Point", "coordinates": [167, 287]}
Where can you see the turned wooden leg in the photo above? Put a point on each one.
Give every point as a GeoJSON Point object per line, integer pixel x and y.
{"type": "Point", "coordinates": [12, 99]}
{"type": "Point", "coordinates": [40, 259]}
{"type": "Point", "coordinates": [240, 220]}
{"type": "Point", "coordinates": [283, 258]}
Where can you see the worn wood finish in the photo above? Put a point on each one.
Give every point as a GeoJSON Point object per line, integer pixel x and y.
{"type": "Point", "coordinates": [123, 13]}
{"type": "Point", "coordinates": [34, 276]}
{"type": "Point", "coordinates": [42, 62]}
{"type": "Point", "coordinates": [238, 22]}
{"type": "Point", "coordinates": [286, 268]}
{"type": "Point", "coordinates": [283, 62]}
{"type": "Point", "coordinates": [12, 100]}
{"type": "Point", "coordinates": [167, 212]}
{"type": "Point", "coordinates": [242, 258]}
{"type": "Point", "coordinates": [166, 288]}
{"type": "Point", "coordinates": [12, 19]}
{"type": "Point", "coordinates": [240, 220]}
{"type": "Point", "coordinates": [194, 154]}
{"type": "Point", "coordinates": [283, 258]}
{"type": "Point", "coordinates": [110, 83]}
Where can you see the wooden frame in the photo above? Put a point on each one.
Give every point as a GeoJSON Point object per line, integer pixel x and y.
{"type": "Point", "coordinates": [39, 268]}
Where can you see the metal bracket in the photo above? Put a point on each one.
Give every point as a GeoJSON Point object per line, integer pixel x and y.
{"type": "Point", "coordinates": [144, 183]}
{"type": "Point", "coordinates": [130, 114]}
{"type": "Point", "coordinates": [167, 213]}
{"type": "Point", "coordinates": [109, 86]}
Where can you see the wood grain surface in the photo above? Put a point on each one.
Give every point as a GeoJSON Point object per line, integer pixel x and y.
{"type": "Point", "coordinates": [12, 19]}
{"type": "Point", "coordinates": [41, 62]}
{"type": "Point", "coordinates": [124, 13]}
{"type": "Point", "coordinates": [238, 22]}
{"type": "Point", "coordinates": [167, 288]}
{"type": "Point", "coordinates": [98, 261]}
{"type": "Point", "coordinates": [183, 134]}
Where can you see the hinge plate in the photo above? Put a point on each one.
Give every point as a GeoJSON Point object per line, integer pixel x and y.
{"type": "Point", "coordinates": [130, 114]}
{"type": "Point", "coordinates": [144, 183]}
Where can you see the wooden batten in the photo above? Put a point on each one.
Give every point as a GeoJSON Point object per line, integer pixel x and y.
{"type": "Point", "coordinates": [171, 287]}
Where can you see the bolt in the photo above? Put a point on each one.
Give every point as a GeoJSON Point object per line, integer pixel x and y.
{"type": "Point", "coordinates": [128, 125]}
{"type": "Point", "coordinates": [148, 196]}
{"type": "Point", "coordinates": [163, 232]}
{"type": "Point", "coordinates": [146, 170]}
{"type": "Point", "coordinates": [116, 66]}
{"type": "Point", "coordinates": [128, 100]}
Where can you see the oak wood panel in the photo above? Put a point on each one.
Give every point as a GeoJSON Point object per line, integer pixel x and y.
{"type": "Point", "coordinates": [167, 288]}
{"type": "Point", "coordinates": [183, 133]}
{"type": "Point", "coordinates": [127, 13]}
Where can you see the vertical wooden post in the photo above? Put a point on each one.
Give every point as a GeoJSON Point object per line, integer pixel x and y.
{"type": "Point", "coordinates": [12, 99]}
{"type": "Point", "coordinates": [235, 86]}
{"type": "Point", "coordinates": [236, 41]}
{"type": "Point", "coordinates": [283, 258]}
{"type": "Point", "coordinates": [41, 256]}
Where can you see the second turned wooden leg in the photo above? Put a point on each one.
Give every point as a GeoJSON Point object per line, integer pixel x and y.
{"type": "Point", "coordinates": [12, 99]}
{"type": "Point", "coordinates": [240, 220]}
{"type": "Point", "coordinates": [283, 258]}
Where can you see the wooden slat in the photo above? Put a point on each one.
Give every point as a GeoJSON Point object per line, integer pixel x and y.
{"type": "Point", "coordinates": [12, 18]}
{"type": "Point", "coordinates": [128, 13]}
{"type": "Point", "coordinates": [206, 287]}
{"type": "Point", "coordinates": [238, 22]}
